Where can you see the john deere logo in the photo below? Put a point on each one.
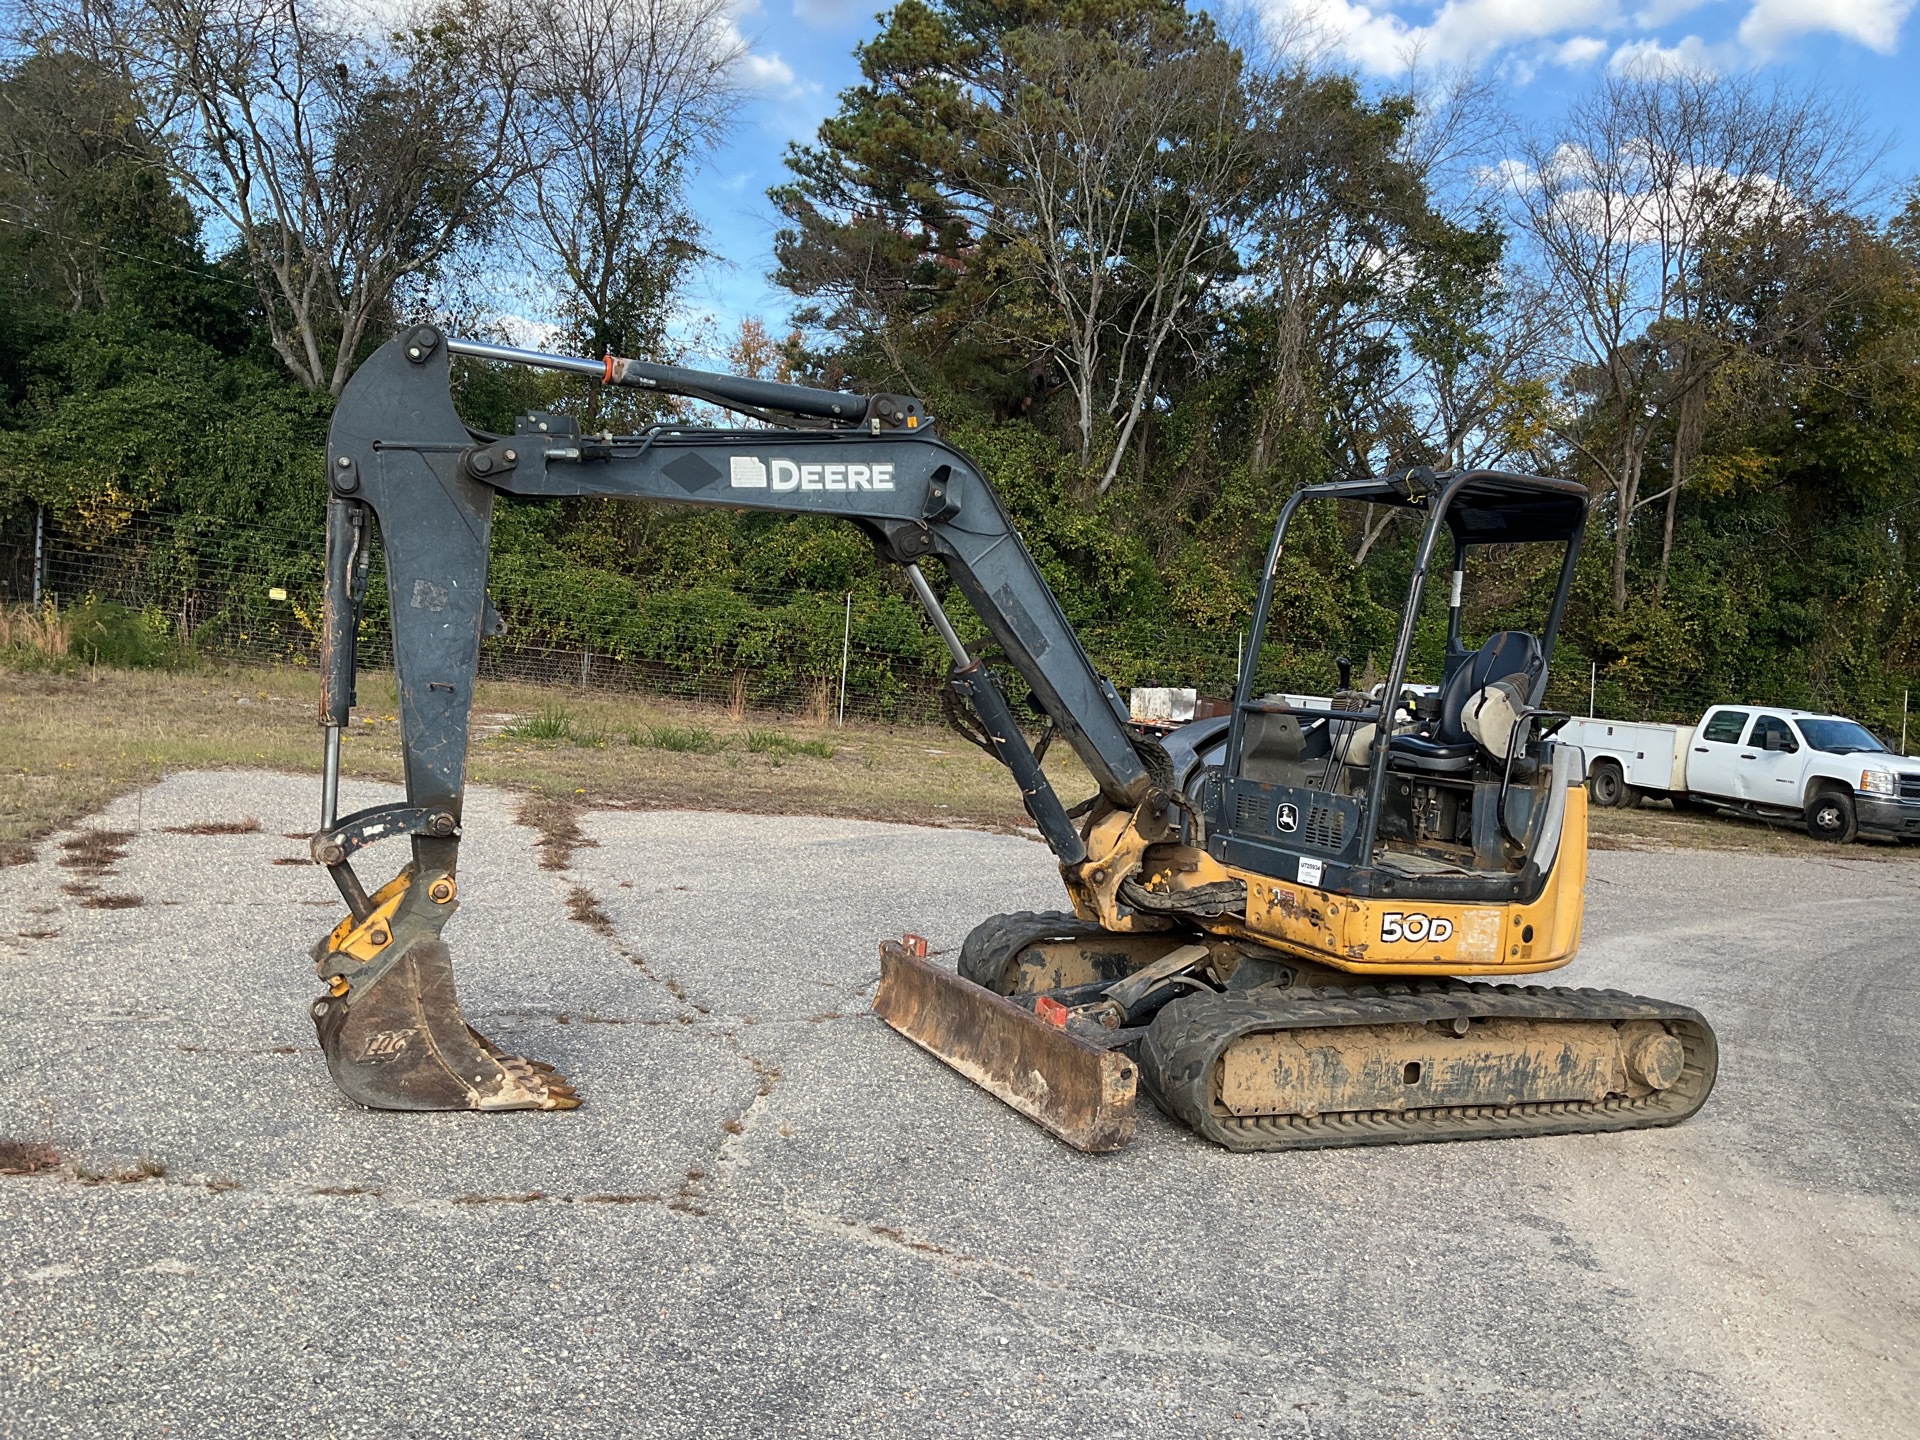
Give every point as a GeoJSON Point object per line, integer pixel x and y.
{"type": "Point", "coordinates": [1287, 818]}
{"type": "Point", "coordinates": [747, 472]}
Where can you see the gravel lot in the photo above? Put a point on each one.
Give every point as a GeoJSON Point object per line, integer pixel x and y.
{"type": "Point", "coordinates": [775, 1217]}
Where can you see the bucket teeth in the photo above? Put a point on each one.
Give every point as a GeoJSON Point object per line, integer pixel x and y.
{"type": "Point", "coordinates": [398, 1041]}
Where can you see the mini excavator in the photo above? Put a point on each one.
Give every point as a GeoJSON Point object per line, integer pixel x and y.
{"type": "Point", "coordinates": [1298, 925]}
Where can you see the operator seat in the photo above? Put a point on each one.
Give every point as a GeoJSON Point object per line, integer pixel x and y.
{"type": "Point", "coordinates": [1450, 749]}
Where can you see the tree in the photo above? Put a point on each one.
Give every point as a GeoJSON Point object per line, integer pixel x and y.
{"type": "Point", "coordinates": [346, 168]}
{"type": "Point", "coordinates": [78, 184]}
{"type": "Point", "coordinates": [621, 98]}
{"type": "Point", "coordinates": [1113, 166]}
{"type": "Point", "coordinates": [1654, 181]}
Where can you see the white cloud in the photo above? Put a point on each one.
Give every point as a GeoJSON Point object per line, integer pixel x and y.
{"type": "Point", "coordinates": [1657, 14]}
{"type": "Point", "coordinates": [1648, 59]}
{"type": "Point", "coordinates": [1461, 32]}
{"type": "Point", "coordinates": [1873, 23]}
{"type": "Point", "coordinates": [1515, 175]}
{"type": "Point", "coordinates": [766, 72]}
{"type": "Point", "coordinates": [1581, 50]}
{"type": "Point", "coordinates": [1384, 36]}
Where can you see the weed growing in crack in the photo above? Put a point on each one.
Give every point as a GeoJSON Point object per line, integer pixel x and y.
{"type": "Point", "coordinates": [26, 1157]}
{"type": "Point", "coordinates": [94, 852]}
{"type": "Point", "coordinates": [557, 821]}
{"type": "Point", "coordinates": [584, 907]}
{"type": "Point", "coordinates": [93, 898]}
{"type": "Point", "coordinates": [245, 825]}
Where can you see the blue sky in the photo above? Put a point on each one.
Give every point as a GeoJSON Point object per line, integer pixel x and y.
{"type": "Point", "coordinates": [1543, 52]}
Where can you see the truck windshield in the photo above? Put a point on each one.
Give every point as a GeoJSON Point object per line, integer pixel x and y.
{"type": "Point", "coordinates": [1839, 737]}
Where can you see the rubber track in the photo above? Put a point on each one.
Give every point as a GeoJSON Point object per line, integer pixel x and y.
{"type": "Point", "coordinates": [1181, 1053]}
{"type": "Point", "coordinates": [990, 946]}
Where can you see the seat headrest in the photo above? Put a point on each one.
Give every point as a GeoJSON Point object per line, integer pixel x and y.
{"type": "Point", "coordinates": [1492, 713]}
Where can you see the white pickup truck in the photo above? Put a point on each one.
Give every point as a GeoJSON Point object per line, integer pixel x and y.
{"type": "Point", "coordinates": [1825, 770]}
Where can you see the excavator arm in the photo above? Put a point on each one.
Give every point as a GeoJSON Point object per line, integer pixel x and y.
{"type": "Point", "coordinates": [399, 458]}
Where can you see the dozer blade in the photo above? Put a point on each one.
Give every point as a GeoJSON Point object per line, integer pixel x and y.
{"type": "Point", "coordinates": [395, 1039]}
{"type": "Point", "coordinates": [1080, 1092]}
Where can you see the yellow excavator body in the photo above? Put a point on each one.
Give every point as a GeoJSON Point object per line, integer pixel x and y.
{"type": "Point", "coordinates": [1359, 935]}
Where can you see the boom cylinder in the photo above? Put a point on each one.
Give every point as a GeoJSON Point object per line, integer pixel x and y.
{"type": "Point", "coordinates": [674, 380]}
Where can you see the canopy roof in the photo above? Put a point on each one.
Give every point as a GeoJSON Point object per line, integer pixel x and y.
{"type": "Point", "coordinates": [1484, 507]}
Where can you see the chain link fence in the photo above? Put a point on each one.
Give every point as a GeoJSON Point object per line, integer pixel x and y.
{"type": "Point", "coordinates": [219, 588]}
{"type": "Point", "coordinates": [215, 588]}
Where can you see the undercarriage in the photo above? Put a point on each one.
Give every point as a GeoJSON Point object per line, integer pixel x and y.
{"type": "Point", "coordinates": [1257, 1050]}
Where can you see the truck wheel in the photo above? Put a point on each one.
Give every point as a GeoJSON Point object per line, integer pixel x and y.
{"type": "Point", "coordinates": [1607, 785]}
{"type": "Point", "coordinates": [1830, 817]}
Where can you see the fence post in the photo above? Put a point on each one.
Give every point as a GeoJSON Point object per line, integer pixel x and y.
{"type": "Point", "coordinates": [1904, 694]}
{"type": "Point", "coordinates": [39, 551]}
{"type": "Point", "coordinates": [846, 641]}
{"type": "Point", "coordinates": [585, 659]}
{"type": "Point", "coordinates": [1593, 684]}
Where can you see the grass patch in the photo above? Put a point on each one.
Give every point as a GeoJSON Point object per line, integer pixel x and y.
{"type": "Point", "coordinates": [681, 739]}
{"type": "Point", "coordinates": [69, 743]}
{"type": "Point", "coordinates": [772, 742]}
{"type": "Point", "coordinates": [553, 722]}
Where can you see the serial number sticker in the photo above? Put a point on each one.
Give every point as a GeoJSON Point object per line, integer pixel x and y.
{"type": "Point", "coordinates": [1310, 871]}
{"type": "Point", "coordinates": [1396, 925]}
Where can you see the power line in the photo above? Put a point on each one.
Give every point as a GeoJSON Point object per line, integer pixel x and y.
{"type": "Point", "coordinates": [202, 273]}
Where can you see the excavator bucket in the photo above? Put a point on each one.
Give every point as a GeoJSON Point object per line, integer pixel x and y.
{"type": "Point", "coordinates": [1082, 1093]}
{"type": "Point", "coordinates": [390, 1023]}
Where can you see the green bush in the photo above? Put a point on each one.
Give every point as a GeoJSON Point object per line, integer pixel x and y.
{"type": "Point", "coordinates": [104, 632]}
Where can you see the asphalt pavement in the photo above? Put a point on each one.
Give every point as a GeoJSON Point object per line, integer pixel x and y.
{"type": "Point", "coordinates": [775, 1217]}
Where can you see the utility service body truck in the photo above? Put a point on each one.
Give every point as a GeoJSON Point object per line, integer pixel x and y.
{"type": "Point", "coordinates": [1825, 770]}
